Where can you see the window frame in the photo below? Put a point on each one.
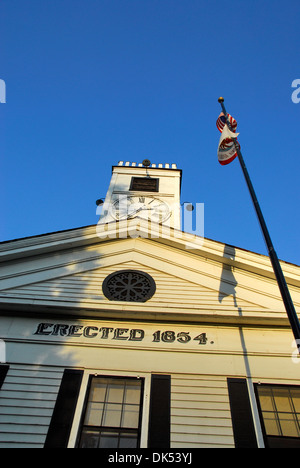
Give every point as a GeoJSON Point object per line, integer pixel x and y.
{"type": "Point", "coordinates": [81, 425]}
{"type": "Point", "coordinates": [281, 440]}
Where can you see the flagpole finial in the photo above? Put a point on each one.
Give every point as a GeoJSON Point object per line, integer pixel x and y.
{"type": "Point", "coordinates": [221, 99]}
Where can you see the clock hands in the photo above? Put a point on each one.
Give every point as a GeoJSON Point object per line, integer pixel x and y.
{"type": "Point", "coordinates": [129, 214]}
{"type": "Point", "coordinates": [129, 208]}
{"type": "Point", "coordinates": [144, 207]}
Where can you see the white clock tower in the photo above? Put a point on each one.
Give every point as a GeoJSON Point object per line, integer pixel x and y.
{"type": "Point", "coordinates": [145, 190]}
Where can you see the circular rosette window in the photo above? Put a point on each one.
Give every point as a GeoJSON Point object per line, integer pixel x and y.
{"type": "Point", "coordinates": [129, 285]}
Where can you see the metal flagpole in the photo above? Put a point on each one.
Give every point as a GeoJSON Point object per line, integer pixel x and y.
{"type": "Point", "coordinates": [288, 303]}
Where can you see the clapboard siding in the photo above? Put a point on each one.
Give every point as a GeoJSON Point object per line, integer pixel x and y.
{"type": "Point", "coordinates": [87, 286]}
{"type": "Point", "coordinates": [200, 412]}
{"type": "Point", "coordinates": [27, 399]}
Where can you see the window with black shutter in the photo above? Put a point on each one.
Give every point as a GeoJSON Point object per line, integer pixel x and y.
{"type": "Point", "coordinates": [64, 410]}
{"type": "Point", "coordinates": [160, 411]}
{"type": "Point", "coordinates": [241, 413]}
{"type": "Point", "coordinates": [112, 416]}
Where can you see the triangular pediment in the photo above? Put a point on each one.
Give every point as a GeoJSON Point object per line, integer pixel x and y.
{"type": "Point", "coordinates": [171, 289]}
{"type": "Point", "coordinates": [214, 282]}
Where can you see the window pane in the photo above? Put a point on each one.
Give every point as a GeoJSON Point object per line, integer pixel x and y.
{"type": "Point", "coordinates": [112, 415]}
{"type": "Point", "coordinates": [271, 424]}
{"type": "Point", "coordinates": [265, 398]}
{"type": "Point", "coordinates": [132, 393]}
{"type": "Point", "coordinates": [89, 439]}
{"type": "Point", "coordinates": [109, 440]}
{"type": "Point", "coordinates": [93, 414]}
{"type": "Point", "coordinates": [115, 392]}
{"type": "Point", "coordinates": [295, 394]}
{"type": "Point", "coordinates": [288, 425]}
{"type": "Point", "coordinates": [282, 400]}
{"type": "Point", "coordinates": [98, 389]}
{"type": "Point", "coordinates": [130, 417]}
{"type": "Point", "coordinates": [128, 441]}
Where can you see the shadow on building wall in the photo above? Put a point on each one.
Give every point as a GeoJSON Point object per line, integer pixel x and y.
{"type": "Point", "coordinates": [228, 285]}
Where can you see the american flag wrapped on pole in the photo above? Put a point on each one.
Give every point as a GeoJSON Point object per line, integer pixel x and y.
{"type": "Point", "coordinates": [221, 122]}
{"type": "Point", "coordinates": [227, 151]}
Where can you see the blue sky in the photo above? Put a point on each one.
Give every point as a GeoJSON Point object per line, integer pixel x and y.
{"type": "Point", "coordinates": [92, 82]}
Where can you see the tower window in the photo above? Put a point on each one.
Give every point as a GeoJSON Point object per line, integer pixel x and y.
{"type": "Point", "coordinates": [144, 184]}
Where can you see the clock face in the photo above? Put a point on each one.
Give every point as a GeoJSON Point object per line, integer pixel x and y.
{"type": "Point", "coordinates": [140, 206]}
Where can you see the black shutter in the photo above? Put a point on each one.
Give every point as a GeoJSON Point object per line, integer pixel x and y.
{"type": "Point", "coordinates": [241, 414]}
{"type": "Point", "coordinates": [3, 371]}
{"type": "Point", "coordinates": [160, 409]}
{"type": "Point", "coordinates": [64, 410]}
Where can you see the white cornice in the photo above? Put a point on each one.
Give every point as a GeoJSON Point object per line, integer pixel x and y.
{"type": "Point", "coordinates": [191, 245]}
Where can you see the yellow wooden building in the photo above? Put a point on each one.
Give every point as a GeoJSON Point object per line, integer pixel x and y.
{"type": "Point", "coordinates": [132, 333]}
